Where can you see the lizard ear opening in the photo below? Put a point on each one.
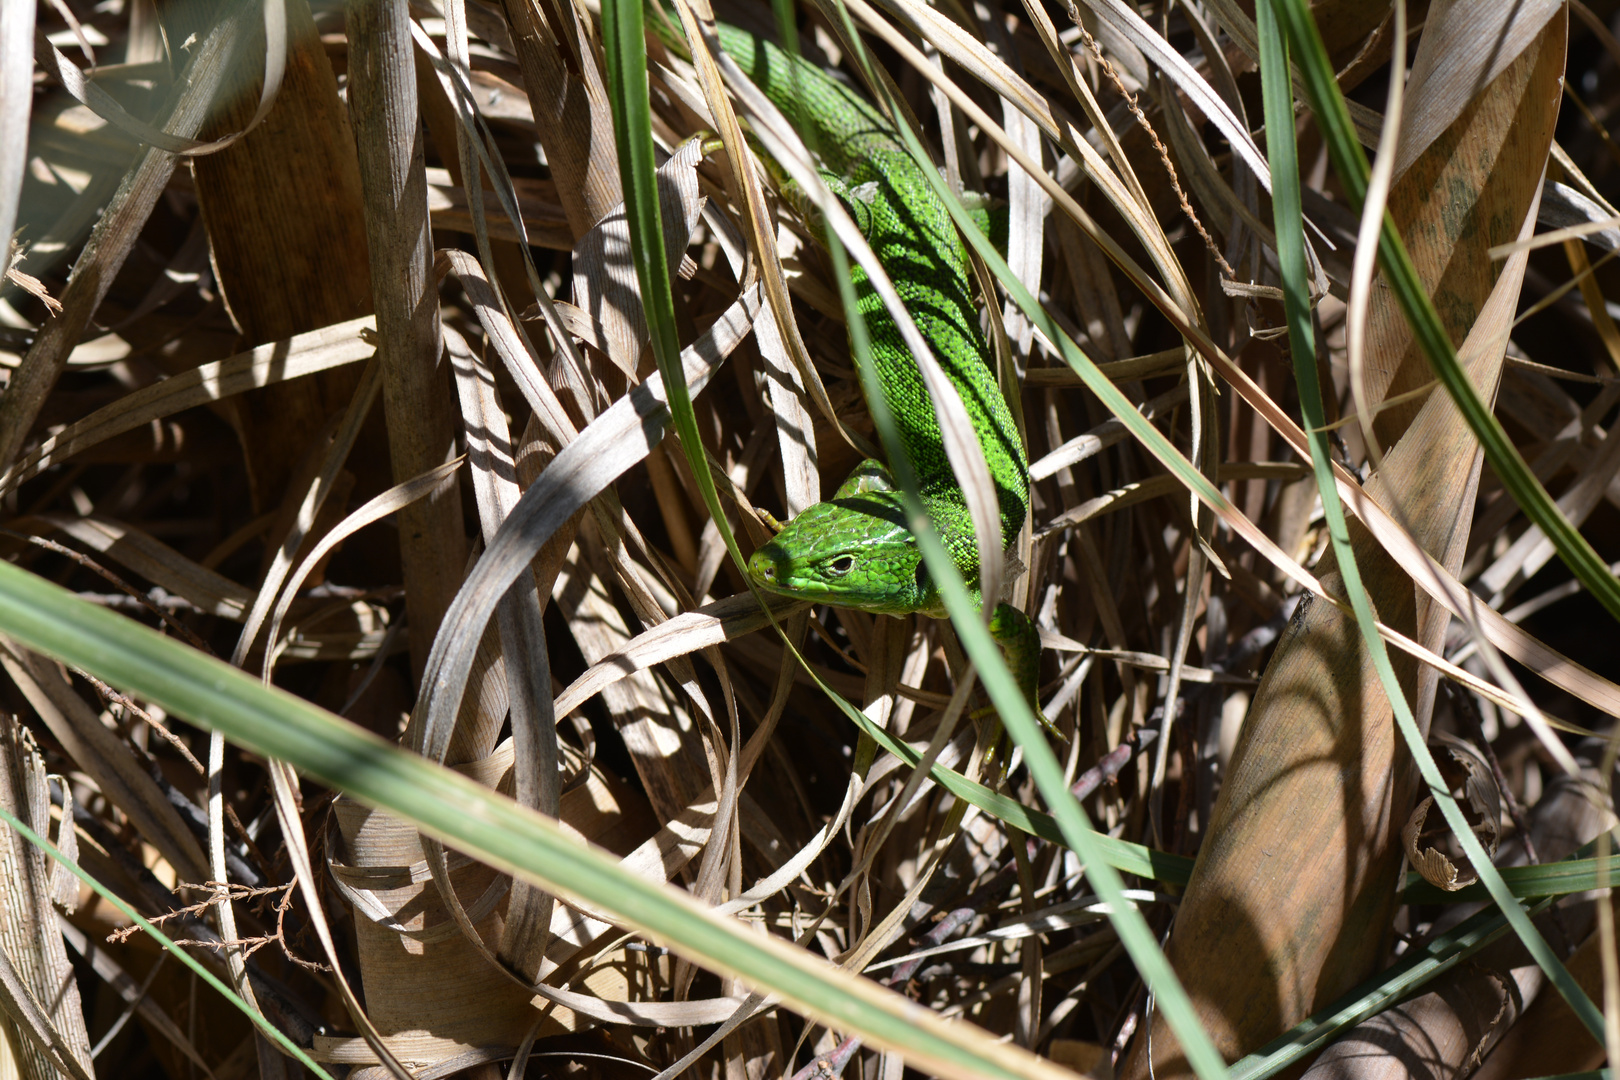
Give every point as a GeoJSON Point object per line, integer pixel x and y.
{"type": "Point", "coordinates": [840, 566]}
{"type": "Point", "coordinates": [922, 577]}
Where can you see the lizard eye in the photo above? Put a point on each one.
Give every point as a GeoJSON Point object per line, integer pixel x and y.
{"type": "Point", "coordinates": [841, 566]}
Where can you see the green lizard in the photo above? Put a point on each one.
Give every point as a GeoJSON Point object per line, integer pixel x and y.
{"type": "Point", "coordinates": [856, 549]}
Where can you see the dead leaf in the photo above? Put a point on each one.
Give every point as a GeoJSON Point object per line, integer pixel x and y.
{"type": "Point", "coordinates": [1436, 869]}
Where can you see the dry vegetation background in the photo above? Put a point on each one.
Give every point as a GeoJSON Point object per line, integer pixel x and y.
{"type": "Point", "coordinates": [193, 403]}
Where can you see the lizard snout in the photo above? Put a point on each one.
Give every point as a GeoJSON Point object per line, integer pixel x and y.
{"type": "Point", "coordinates": [762, 564]}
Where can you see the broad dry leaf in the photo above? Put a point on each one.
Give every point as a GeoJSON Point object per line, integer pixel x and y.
{"type": "Point", "coordinates": [1320, 722]}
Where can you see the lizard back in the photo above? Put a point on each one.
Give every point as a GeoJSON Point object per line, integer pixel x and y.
{"type": "Point", "coordinates": [915, 239]}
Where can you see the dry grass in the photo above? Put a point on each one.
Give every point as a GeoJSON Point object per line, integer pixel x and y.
{"type": "Point", "coordinates": [203, 407]}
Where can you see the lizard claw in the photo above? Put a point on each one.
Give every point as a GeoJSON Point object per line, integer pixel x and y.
{"type": "Point", "coordinates": [1040, 717]}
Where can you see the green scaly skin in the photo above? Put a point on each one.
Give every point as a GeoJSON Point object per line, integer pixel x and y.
{"type": "Point", "coordinates": [856, 549]}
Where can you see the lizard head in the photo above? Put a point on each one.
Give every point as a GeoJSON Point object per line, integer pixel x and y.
{"type": "Point", "coordinates": [856, 552]}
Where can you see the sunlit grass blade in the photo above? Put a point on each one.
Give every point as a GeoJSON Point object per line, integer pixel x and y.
{"type": "Point", "coordinates": [1122, 855]}
{"type": "Point", "coordinates": [1527, 882]}
{"type": "Point", "coordinates": [1277, 92]}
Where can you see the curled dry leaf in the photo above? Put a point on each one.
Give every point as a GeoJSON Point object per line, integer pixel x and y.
{"type": "Point", "coordinates": [1436, 869]}
{"type": "Point", "coordinates": [1483, 798]}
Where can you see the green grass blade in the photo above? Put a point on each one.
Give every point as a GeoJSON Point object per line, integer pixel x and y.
{"type": "Point", "coordinates": [1044, 767]}
{"type": "Point", "coordinates": [1277, 93]}
{"type": "Point", "coordinates": [624, 43]}
{"type": "Point", "coordinates": [1373, 996]}
{"type": "Point", "coordinates": [1122, 855]}
{"type": "Point", "coordinates": [485, 825]}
